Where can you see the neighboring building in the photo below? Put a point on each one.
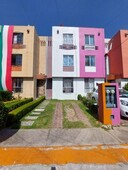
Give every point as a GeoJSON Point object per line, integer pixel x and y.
{"type": "Point", "coordinates": [77, 61]}
{"type": "Point", "coordinates": [118, 58]}
{"type": "Point", "coordinates": [27, 62]}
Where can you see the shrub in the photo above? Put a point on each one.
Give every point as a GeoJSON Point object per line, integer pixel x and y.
{"type": "Point", "coordinates": [3, 115]}
{"type": "Point", "coordinates": [79, 97]}
{"type": "Point", "coordinates": [90, 104]}
{"type": "Point", "coordinates": [5, 95]}
{"type": "Point", "coordinates": [126, 86]}
{"type": "Point", "coordinates": [17, 104]}
{"type": "Point", "coordinates": [17, 114]}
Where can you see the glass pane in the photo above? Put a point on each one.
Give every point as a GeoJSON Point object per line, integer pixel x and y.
{"type": "Point", "coordinates": [91, 39]}
{"type": "Point", "coordinates": [87, 60]}
{"type": "Point", "coordinates": [65, 61]}
{"type": "Point", "coordinates": [87, 39]}
{"type": "Point", "coordinates": [92, 63]}
{"type": "Point", "coordinates": [70, 60]}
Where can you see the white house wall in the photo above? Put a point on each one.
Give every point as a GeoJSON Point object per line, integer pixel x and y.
{"type": "Point", "coordinates": [78, 85]}
{"type": "Point", "coordinates": [57, 53]}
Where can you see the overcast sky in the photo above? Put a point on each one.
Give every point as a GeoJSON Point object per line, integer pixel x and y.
{"type": "Point", "coordinates": [112, 15]}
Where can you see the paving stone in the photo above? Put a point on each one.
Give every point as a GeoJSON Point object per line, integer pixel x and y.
{"type": "Point", "coordinates": [39, 110]}
{"type": "Point", "coordinates": [58, 116]}
{"type": "Point", "coordinates": [35, 113]}
{"type": "Point", "coordinates": [27, 123]}
{"type": "Point", "coordinates": [31, 117]}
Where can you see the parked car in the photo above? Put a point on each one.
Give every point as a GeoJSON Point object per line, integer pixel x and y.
{"type": "Point", "coordinates": [95, 95]}
{"type": "Point", "coordinates": [123, 102]}
{"type": "Point", "coordinates": [123, 97]}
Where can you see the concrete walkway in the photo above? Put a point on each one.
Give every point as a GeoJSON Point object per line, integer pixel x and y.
{"type": "Point", "coordinates": [67, 167]}
{"type": "Point", "coordinates": [29, 120]}
{"type": "Point", "coordinates": [63, 137]}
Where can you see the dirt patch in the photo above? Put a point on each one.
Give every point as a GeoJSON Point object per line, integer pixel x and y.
{"type": "Point", "coordinates": [70, 114]}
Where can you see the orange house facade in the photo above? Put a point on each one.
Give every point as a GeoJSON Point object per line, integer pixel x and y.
{"type": "Point", "coordinates": [28, 62]}
{"type": "Point", "coordinates": [118, 58]}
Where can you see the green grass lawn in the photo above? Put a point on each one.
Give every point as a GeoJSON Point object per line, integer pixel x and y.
{"type": "Point", "coordinates": [68, 123]}
{"type": "Point", "coordinates": [45, 118]}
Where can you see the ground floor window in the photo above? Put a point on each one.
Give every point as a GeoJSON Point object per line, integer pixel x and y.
{"type": "Point", "coordinates": [17, 85]}
{"type": "Point", "coordinates": [67, 85]}
{"type": "Point", "coordinates": [89, 84]}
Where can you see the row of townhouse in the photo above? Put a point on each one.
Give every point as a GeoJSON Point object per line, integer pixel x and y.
{"type": "Point", "coordinates": [23, 57]}
{"type": "Point", "coordinates": [69, 63]}
{"type": "Point", "coordinates": [77, 61]}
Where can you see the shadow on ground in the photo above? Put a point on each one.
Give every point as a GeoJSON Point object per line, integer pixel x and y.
{"type": "Point", "coordinates": [8, 132]}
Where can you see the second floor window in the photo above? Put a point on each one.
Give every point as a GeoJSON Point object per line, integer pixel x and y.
{"type": "Point", "coordinates": [90, 61]}
{"type": "Point", "coordinates": [67, 38]}
{"type": "Point", "coordinates": [16, 59]}
{"type": "Point", "coordinates": [18, 38]}
{"type": "Point", "coordinates": [68, 60]}
{"type": "Point", "coordinates": [89, 40]}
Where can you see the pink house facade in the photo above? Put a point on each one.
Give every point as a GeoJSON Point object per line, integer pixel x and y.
{"type": "Point", "coordinates": [92, 49]}
{"type": "Point", "coordinates": [77, 61]}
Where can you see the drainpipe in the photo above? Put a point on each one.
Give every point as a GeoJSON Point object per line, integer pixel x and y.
{"type": "Point", "coordinates": [106, 66]}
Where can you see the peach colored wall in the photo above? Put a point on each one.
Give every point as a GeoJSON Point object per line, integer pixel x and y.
{"type": "Point", "coordinates": [42, 54]}
{"type": "Point", "coordinates": [27, 52]}
{"type": "Point", "coordinates": [115, 56]}
{"type": "Point", "coordinates": [30, 56]}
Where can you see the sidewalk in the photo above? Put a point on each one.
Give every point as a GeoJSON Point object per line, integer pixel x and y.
{"type": "Point", "coordinates": [65, 147]}
{"type": "Point", "coordinates": [63, 137]}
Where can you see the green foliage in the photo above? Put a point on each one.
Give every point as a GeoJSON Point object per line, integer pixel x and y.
{"type": "Point", "coordinates": [13, 105]}
{"type": "Point", "coordinates": [77, 124]}
{"type": "Point", "coordinates": [90, 103]}
{"type": "Point", "coordinates": [126, 86]}
{"type": "Point", "coordinates": [79, 97]}
{"type": "Point", "coordinates": [17, 114]}
{"type": "Point", "coordinates": [3, 115]}
{"type": "Point", "coordinates": [5, 95]}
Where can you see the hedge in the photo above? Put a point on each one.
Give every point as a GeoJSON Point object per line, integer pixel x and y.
{"type": "Point", "coordinates": [16, 104]}
{"type": "Point", "coordinates": [89, 103]}
{"type": "Point", "coordinates": [3, 115]}
{"type": "Point", "coordinates": [17, 114]}
{"type": "Point", "coordinates": [6, 95]}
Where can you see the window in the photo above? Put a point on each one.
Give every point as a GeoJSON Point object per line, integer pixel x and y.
{"type": "Point", "coordinates": [68, 60]}
{"type": "Point", "coordinates": [67, 38]}
{"type": "Point", "coordinates": [89, 60]}
{"type": "Point", "coordinates": [89, 84]}
{"type": "Point", "coordinates": [17, 84]}
{"type": "Point", "coordinates": [67, 85]}
{"type": "Point", "coordinates": [18, 38]}
{"type": "Point", "coordinates": [89, 40]}
{"type": "Point", "coordinates": [16, 59]}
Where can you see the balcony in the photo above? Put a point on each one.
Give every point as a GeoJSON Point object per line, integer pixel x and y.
{"type": "Point", "coordinates": [68, 46]}
{"type": "Point", "coordinates": [16, 68]}
{"type": "Point", "coordinates": [88, 47]}
{"type": "Point", "coordinates": [18, 46]}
